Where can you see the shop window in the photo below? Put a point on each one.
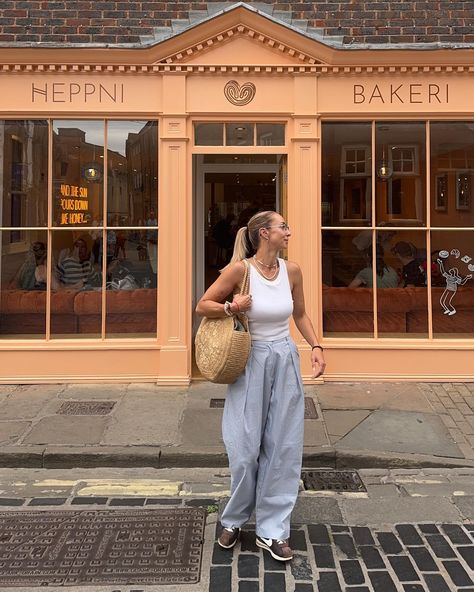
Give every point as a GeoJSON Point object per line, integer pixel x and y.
{"type": "Point", "coordinates": [452, 168]}
{"type": "Point", "coordinates": [347, 311]}
{"type": "Point", "coordinates": [92, 249]}
{"type": "Point", "coordinates": [24, 176]}
{"type": "Point", "coordinates": [400, 173]}
{"type": "Point", "coordinates": [270, 134]}
{"type": "Point", "coordinates": [209, 134]}
{"type": "Point", "coordinates": [452, 283]}
{"type": "Point", "coordinates": [23, 282]}
{"type": "Point", "coordinates": [239, 134]}
{"type": "Point", "coordinates": [346, 174]}
{"type": "Point", "coordinates": [78, 173]}
{"type": "Point", "coordinates": [401, 266]}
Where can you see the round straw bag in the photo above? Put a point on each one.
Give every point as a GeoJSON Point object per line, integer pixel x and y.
{"type": "Point", "coordinates": [223, 344]}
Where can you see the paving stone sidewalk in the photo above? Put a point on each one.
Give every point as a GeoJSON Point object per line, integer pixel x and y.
{"type": "Point", "coordinates": [347, 425]}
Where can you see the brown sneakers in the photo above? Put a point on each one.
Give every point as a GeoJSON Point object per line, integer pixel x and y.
{"type": "Point", "coordinates": [228, 537]}
{"type": "Point", "coordinates": [279, 549]}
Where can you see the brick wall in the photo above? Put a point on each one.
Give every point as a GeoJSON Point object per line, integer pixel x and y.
{"type": "Point", "coordinates": [84, 21]}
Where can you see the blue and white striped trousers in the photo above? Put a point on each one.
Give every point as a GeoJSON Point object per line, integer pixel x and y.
{"type": "Point", "coordinates": [262, 429]}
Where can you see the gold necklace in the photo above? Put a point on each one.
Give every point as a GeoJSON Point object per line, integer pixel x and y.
{"type": "Point", "coordinates": [262, 273]}
{"type": "Point", "coordinates": [264, 264]}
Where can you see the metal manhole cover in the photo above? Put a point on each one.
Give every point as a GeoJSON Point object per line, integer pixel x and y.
{"type": "Point", "coordinates": [86, 407]}
{"type": "Point", "coordinates": [217, 403]}
{"type": "Point", "coordinates": [72, 548]}
{"type": "Point", "coordinates": [327, 480]}
{"type": "Point", "coordinates": [309, 407]}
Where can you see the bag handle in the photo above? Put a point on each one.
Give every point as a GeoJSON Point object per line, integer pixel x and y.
{"type": "Point", "coordinates": [244, 290]}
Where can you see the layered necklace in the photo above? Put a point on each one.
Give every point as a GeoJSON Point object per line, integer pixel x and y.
{"type": "Point", "coordinates": [261, 268]}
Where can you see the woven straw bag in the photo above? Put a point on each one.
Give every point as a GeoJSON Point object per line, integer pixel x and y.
{"type": "Point", "coordinates": [223, 345]}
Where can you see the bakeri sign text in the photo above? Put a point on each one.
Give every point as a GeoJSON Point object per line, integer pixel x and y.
{"type": "Point", "coordinates": [401, 93]}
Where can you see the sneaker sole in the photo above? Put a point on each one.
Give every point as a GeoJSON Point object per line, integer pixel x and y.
{"type": "Point", "coordinates": [267, 548]}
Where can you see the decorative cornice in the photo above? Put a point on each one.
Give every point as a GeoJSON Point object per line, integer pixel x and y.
{"type": "Point", "coordinates": [229, 69]}
{"type": "Point", "coordinates": [246, 32]}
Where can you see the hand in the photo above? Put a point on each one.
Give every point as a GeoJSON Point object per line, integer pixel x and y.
{"type": "Point", "coordinates": [243, 302]}
{"type": "Point", "coordinates": [317, 362]}
{"type": "Point", "coordinates": [439, 261]}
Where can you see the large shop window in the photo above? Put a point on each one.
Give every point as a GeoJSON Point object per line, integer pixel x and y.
{"type": "Point", "coordinates": [79, 229]}
{"type": "Point", "coordinates": [397, 229]}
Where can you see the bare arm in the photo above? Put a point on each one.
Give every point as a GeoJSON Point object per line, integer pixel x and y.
{"type": "Point", "coordinates": [356, 282]}
{"type": "Point", "coordinates": [302, 320]}
{"type": "Point", "coordinates": [211, 304]}
{"type": "Point", "coordinates": [468, 277]}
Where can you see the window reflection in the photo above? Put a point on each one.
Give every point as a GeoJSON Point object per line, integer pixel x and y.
{"type": "Point", "coordinates": [23, 285]}
{"type": "Point", "coordinates": [452, 280]}
{"type": "Point", "coordinates": [131, 284]}
{"type": "Point", "coordinates": [452, 170]}
{"type": "Point", "coordinates": [347, 311]}
{"type": "Point", "coordinates": [78, 170]}
{"type": "Point", "coordinates": [403, 310]}
{"type": "Point", "coordinates": [77, 305]}
{"type": "Point", "coordinates": [401, 173]}
{"type": "Point", "coordinates": [132, 171]}
{"type": "Point", "coordinates": [24, 174]}
{"type": "Point", "coordinates": [347, 186]}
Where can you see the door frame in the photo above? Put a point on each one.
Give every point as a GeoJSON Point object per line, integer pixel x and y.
{"type": "Point", "coordinates": [199, 173]}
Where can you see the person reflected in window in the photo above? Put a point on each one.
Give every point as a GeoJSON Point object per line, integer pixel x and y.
{"type": "Point", "coordinates": [33, 272]}
{"type": "Point", "coordinates": [386, 276]}
{"type": "Point", "coordinates": [412, 271]}
{"type": "Point", "coordinates": [75, 270]}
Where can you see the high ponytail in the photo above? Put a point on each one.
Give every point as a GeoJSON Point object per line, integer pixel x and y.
{"type": "Point", "coordinates": [242, 246]}
{"type": "Point", "coordinates": [247, 238]}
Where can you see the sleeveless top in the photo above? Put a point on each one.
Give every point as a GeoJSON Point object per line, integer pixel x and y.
{"type": "Point", "coordinates": [272, 305]}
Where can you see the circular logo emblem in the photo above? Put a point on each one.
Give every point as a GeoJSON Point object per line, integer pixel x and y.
{"type": "Point", "coordinates": [239, 95]}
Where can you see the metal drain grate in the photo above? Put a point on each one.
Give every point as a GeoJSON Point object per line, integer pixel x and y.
{"type": "Point", "coordinates": [86, 407]}
{"type": "Point", "coordinates": [101, 547]}
{"type": "Point", "coordinates": [217, 403]}
{"type": "Point", "coordinates": [310, 411]}
{"type": "Point", "coordinates": [327, 480]}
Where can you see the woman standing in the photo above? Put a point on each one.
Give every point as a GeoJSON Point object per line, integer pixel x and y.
{"type": "Point", "coordinates": [262, 425]}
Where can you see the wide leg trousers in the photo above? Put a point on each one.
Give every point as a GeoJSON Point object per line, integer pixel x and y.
{"type": "Point", "coordinates": [262, 429]}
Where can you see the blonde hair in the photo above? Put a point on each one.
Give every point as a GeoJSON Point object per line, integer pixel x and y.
{"type": "Point", "coordinates": [247, 238]}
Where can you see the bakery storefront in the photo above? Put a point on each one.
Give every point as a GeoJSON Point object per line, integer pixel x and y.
{"type": "Point", "coordinates": [125, 173]}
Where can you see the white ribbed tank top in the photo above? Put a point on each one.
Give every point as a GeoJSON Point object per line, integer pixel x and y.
{"type": "Point", "coordinates": [272, 305]}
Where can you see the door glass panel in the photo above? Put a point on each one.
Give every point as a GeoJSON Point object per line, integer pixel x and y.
{"type": "Point", "coordinates": [452, 280]}
{"type": "Point", "coordinates": [452, 174]}
{"type": "Point", "coordinates": [24, 175]}
{"type": "Point", "coordinates": [23, 285]}
{"type": "Point", "coordinates": [346, 174]}
{"type": "Point", "coordinates": [78, 173]}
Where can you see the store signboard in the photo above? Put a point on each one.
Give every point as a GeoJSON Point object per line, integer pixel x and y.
{"type": "Point", "coordinates": [81, 93]}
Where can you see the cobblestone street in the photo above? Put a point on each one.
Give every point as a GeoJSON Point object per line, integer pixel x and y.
{"type": "Point", "coordinates": [412, 530]}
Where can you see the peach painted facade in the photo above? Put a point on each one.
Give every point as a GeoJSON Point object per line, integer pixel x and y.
{"type": "Point", "coordinates": [299, 83]}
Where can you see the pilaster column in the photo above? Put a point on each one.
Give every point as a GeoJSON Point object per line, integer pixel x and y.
{"type": "Point", "coordinates": [304, 200]}
{"type": "Point", "coordinates": [175, 227]}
